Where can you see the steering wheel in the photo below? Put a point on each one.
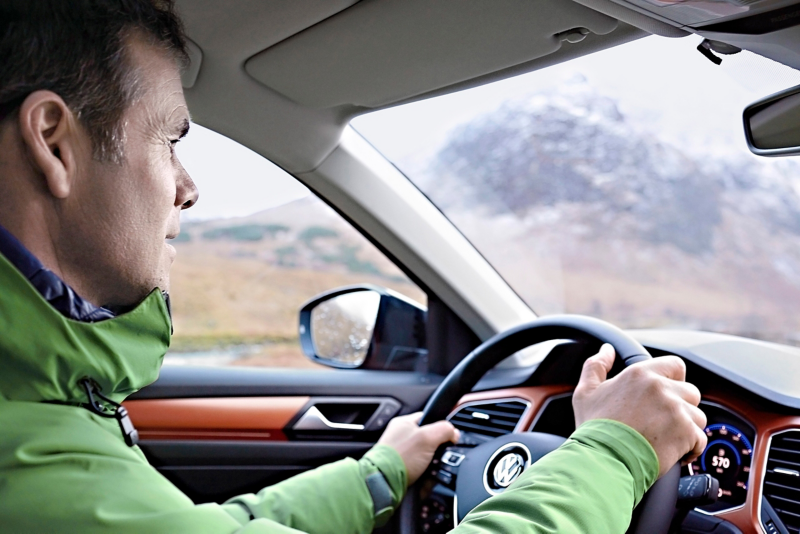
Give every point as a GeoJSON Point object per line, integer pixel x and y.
{"type": "Point", "coordinates": [487, 469]}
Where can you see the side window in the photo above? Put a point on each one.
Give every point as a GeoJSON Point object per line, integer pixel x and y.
{"type": "Point", "coordinates": [256, 247]}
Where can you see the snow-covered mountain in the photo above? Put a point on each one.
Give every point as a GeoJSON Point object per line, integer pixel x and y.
{"type": "Point", "coordinates": [585, 210]}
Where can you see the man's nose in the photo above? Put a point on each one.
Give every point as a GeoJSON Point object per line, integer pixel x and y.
{"type": "Point", "coordinates": [187, 193]}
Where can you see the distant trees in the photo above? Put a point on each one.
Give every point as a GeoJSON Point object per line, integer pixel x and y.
{"type": "Point", "coordinates": [312, 233]}
{"type": "Point", "coordinates": [245, 232]}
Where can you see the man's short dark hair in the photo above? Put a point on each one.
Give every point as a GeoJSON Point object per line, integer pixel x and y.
{"type": "Point", "coordinates": [77, 49]}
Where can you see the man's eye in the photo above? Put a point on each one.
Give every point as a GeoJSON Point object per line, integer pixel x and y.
{"type": "Point", "coordinates": [172, 143]}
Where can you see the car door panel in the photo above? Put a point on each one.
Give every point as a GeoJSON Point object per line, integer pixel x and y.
{"type": "Point", "coordinates": [220, 432]}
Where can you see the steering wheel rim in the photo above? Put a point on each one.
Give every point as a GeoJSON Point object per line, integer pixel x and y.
{"type": "Point", "coordinates": [654, 513]}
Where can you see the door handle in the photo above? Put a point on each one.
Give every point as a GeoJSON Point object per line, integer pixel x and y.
{"type": "Point", "coordinates": [313, 419]}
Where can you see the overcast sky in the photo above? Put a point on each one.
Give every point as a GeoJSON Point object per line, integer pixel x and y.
{"type": "Point", "coordinates": [233, 180]}
{"type": "Point", "coordinates": [663, 84]}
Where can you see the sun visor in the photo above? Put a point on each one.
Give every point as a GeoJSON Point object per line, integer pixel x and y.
{"type": "Point", "coordinates": [383, 51]}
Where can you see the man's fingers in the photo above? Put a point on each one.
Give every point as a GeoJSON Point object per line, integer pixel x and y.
{"type": "Point", "coordinates": [595, 369]}
{"type": "Point", "coordinates": [700, 442]}
{"type": "Point", "coordinates": [434, 433]}
{"type": "Point", "coordinates": [698, 417]}
{"type": "Point", "coordinates": [668, 366]}
{"type": "Point", "coordinates": [699, 438]}
{"type": "Point", "coordinates": [687, 392]}
{"type": "Point", "coordinates": [440, 432]}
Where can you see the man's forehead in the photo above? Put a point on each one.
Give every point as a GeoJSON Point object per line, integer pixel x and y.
{"type": "Point", "coordinates": [159, 80]}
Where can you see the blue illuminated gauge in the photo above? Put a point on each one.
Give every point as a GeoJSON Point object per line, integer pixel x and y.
{"type": "Point", "coordinates": [727, 458]}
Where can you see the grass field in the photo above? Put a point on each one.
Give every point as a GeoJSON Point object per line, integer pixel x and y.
{"type": "Point", "coordinates": [236, 301]}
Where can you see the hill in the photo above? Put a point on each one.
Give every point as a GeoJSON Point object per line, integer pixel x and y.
{"type": "Point", "coordinates": [585, 211]}
{"type": "Point", "coordinates": [238, 284]}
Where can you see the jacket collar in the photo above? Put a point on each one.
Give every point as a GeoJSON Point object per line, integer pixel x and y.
{"type": "Point", "coordinates": [45, 353]}
{"type": "Point", "coordinates": [54, 290]}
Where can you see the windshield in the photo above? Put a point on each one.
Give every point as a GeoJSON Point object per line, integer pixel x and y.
{"type": "Point", "coordinates": [618, 185]}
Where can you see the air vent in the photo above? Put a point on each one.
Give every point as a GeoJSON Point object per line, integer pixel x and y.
{"type": "Point", "coordinates": [782, 479]}
{"type": "Point", "coordinates": [493, 418]}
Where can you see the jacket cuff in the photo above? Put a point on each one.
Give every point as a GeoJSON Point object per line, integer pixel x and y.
{"type": "Point", "coordinates": [385, 474]}
{"type": "Point", "coordinates": [626, 445]}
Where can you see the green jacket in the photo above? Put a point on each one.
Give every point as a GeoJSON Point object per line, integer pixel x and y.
{"type": "Point", "coordinates": [64, 469]}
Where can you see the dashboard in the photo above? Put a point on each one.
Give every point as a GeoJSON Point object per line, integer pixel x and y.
{"type": "Point", "coordinates": [741, 426]}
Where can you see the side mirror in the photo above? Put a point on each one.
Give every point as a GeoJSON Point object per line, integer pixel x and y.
{"type": "Point", "coordinates": [366, 327]}
{"type": "Point", "coordinates": [772, 125]}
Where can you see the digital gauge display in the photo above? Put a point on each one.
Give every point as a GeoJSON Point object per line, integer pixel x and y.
{"type": "Point", "coordinates": [727, 458]}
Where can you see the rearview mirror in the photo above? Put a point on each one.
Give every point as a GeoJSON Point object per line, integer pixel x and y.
{"type": "Point", "coordinates": [772, 125]}
{"type": "Point", "coordinates": [364, 327]}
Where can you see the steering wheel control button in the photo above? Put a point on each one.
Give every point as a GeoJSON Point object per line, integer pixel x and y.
{"type": "Point", "coordinates": [435, 516]}
{"type": "Point", "coordinates": [445, 477]}
{"type": "Point", "coordinates": [453, 459]}
{"type": "Point", "coordinates": [469, 439]}
{"type": "Point", "coordinates": [505, 466]}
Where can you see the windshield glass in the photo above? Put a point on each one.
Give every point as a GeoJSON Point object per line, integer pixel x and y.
{"type": "Point", "coordinates": [618, 185]}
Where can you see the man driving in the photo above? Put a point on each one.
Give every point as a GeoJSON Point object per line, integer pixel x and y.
{"type": "Point", "coordinates": [91, 107]}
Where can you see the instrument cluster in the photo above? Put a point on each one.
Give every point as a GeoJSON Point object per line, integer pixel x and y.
{"type": "Point", "coordinates": [727, 457]}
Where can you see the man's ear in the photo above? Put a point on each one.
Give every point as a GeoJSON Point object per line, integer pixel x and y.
{"type": "Point", "coordinates": [53, 138]}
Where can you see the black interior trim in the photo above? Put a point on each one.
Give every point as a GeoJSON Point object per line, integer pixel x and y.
{"type": "Point", "coordinates": [214, 471]}
{"type": "Point", "coordinates": [191, 453]}
{"type": "Point", "coordinates": [411, 389]}
{"type": "Point", "coordinates": [771, 21]}
{"type": "Point", "coordinates": [448, 337]}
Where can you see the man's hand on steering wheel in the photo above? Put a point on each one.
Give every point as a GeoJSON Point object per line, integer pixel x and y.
{"type": "Point", "coordinates": [652, 397]}
{"type": "Point", "coordinates": [417, 444]}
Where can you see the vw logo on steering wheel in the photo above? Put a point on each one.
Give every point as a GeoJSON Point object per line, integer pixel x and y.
{"type": "Point", "coordinates": [508, 469]}
{"type": "Point", "coordinates": [505, 466]}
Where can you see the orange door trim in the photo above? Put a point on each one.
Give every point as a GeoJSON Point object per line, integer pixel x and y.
{"type": "Point", "coordinates": [249, 418]}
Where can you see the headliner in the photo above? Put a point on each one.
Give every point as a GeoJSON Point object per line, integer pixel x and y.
{"type": "Point", "coordinates": [285, 77]}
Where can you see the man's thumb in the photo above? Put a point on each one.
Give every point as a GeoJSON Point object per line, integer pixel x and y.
{"type": "Point", "coordinates": [595, 369]}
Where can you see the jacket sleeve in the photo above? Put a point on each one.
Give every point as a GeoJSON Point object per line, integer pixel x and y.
{"type": "Point", "coordinates": [590, 484]}
{"type": "Point", "coordinates": [65, 470]}
{"type": "Point", "coordinates": [345, 496]}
